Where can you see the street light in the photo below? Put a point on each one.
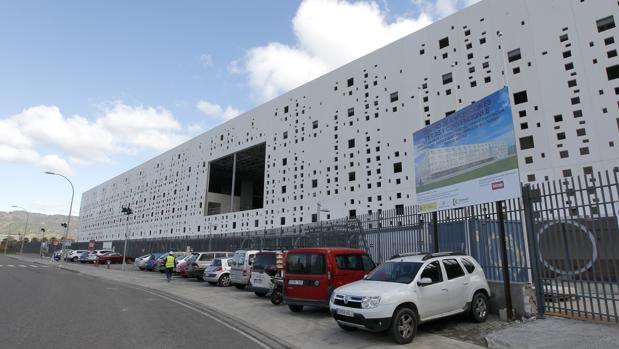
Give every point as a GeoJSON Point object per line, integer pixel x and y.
{"type": "Point", "coordinates": [128, 211]}
{"type": "Point", "coordinates": [21, 249]}
{"type": "Point", "coordinates": [66, 231]}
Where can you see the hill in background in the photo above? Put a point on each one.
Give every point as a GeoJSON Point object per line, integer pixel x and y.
{"type": "Point", "coordinates": [13, 223]}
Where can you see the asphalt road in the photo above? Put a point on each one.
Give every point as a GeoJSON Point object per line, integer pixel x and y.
{"type": "Point", "coordinates": [46, 307]}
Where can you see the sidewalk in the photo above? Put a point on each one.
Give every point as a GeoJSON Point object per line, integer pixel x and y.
{"type": "Point", "coordinates": [311, 329]}
{"type": "Point", "coordinates": [554, 332]}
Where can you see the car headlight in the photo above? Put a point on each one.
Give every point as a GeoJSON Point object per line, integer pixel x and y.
{"type": "Point", "coordinates": [332, 300]}
{"type": "Point", "coordinates": [370, 302]}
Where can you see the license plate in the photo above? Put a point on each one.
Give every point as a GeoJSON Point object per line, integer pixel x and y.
{"type": "Point", "coordinates": [345, 312]}
{"type": "Point", "coordinates": [295, 282]}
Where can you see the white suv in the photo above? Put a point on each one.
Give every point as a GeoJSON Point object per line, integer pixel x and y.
{"type": "Point", "coordinates": [410, 289]}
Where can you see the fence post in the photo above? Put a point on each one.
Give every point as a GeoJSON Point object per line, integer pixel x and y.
{"type": "Point", "coordinates": [435, 230]}
{"type": "Point", "coordinates": [504, 261]}
{"type": "Point", "coordinates": [527, 203]}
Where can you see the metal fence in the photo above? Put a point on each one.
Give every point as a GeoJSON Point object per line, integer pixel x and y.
{"type": "Point", "coordinates": [562, 236]}
{"type": "Point", "coordinates": [575, 233]}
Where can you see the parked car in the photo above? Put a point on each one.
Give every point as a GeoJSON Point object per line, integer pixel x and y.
{"type": "Point", "coordinates": [87, 257]}
{"type": "Point", "coordinates": [74, 255]}
{"type": "Point", "coordinates": [102, 252]}
{"type": "Point", "coordinates": [161, 260]}
{"type": "Point", "coordinates": [263, 271]}
{"type": "Point", "coordinates": [113, 258]}
{"type": "Point", "coordinates": [151, 262]}
{"type": "Point", "coordinates": [218, 273]}
{"type": "Point", "coordinates": [140, 261]}
{"type": "Point", "coordinates": [313, 273]}
{"type": "Point", "coordinates": [411, 289]}
{"type": "Point", "coordinates": [180, 260]}
{"type": "Point", "coordinates": [242, 261]}
{"type": "Point", "coordinates": [182, 265]}
{"type": "Point", "coordinates": [201, 262]}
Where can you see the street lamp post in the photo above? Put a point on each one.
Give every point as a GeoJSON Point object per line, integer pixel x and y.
{"type": "Point", "coordinates": [6, 243]}
{"type": "Point", "coordinates": [41, 242]}
{"type": "Point", "coordinates": [128, 211]}
{"type": "Point", "coordinates": [66, 231]}
{"type": "Point", "coordinates": [21, 249]}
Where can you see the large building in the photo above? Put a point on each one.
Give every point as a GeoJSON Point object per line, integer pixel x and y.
{"type": "Point", "coordinates": [343, 141]}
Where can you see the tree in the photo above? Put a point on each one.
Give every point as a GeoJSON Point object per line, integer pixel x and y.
{"type": "Point", "coordinates": [34, 240]}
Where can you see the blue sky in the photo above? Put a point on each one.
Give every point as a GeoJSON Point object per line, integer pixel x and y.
{"type": "Point", "coordinates": [94, 88]}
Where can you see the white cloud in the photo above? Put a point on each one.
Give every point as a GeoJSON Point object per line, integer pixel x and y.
{"type": "Point", "coordinates": [329, 33]}
{"type": "Point", "coordinates": [43, 136]}
{"type": "Point", "coordinates": [215, 112]}
{"type": "Point", "coordinates": [438, 9]}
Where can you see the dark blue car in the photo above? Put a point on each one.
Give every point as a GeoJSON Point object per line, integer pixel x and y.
{"type": "Point", "coordinates": [151, 263]}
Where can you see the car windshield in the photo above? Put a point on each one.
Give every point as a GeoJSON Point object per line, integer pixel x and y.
{"type": "Point", "coordinates": [400, 272]}
{"type": "Point", "coordinates": [216, 263]}
{"type": "Point", "coordinates": [263, 261]}
{"type": "Point", "coordinates": [239, 259]}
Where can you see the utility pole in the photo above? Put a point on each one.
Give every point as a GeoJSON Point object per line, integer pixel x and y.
{"type": "Point", "coordinates": [21, 249]}
{"type": "Point", "coordinates": [66, 231]}
{"type": "Point", "coordinates": [128, 211]}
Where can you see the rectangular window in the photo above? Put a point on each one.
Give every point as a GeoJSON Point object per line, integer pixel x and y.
{"type": "Point", "coordinates": [305, 263]}
{"type": "Point", "coordinates": [315, 124]}
{"type": "Point", "coordinates": [351, 111]}
{"type": "Point", "coordinates": [558, 118]}
{"type": "Point", "coordinates": [564, 154]}
{"type": "Point", "coordinates": [527, 143]}
{"type": "Point", "coordinates": [350, 82]}
{"type": "Point", "coordinates": [514, 55]}
{"type": "Point", "coordinates": [397, 167]}
{"type": "Point", "coordinates": [351, 143]}
{"type": "Point", "coordinates": [314, 183]}
{"type": "Point", "coordinates": [581, 132]}
{"type": "Point", "coordinates": [452, 268]}
{"type": "Point", "coordinates": [584, 151]}
{"type": "Point", "coordinates": [520, 97]}
{"type": "Point", "coordinates": [605, 23]}
{"type": "Point", "coordinates": [444, 42]}
{"type": "Point", "coordinates": [351, 176]}
{"type": "Point", "coordinates": [613, 72]}
{"type": "Point", "coordinates": [561, 136]}
{"type": "Point", "coordinates": [393, 97]}
{"type": "Point", "coordinates": [447, 78]}
{"type": "Point", "coordinates": [399, 209]}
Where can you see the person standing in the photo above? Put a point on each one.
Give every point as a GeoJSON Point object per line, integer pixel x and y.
{"type": "Point", "coordinates": [170, 263]}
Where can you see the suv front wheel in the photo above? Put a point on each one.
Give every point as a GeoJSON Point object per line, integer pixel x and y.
{"type": "Point", "coordinates": [479, 307]}
{"type": "Point", "coordinates": [403, 326]}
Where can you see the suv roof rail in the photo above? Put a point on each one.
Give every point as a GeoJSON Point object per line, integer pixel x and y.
{"type": "Point", "coordinates": [406, 254]}
{"type": "Point", "coordinates": [443, 254]}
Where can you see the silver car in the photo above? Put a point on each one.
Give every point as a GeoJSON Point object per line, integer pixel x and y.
{"type": "Point", "coordinates": [218, 273]}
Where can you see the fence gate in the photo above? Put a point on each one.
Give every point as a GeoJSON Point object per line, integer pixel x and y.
{"type": "Point", "coordinates": [574, 242]}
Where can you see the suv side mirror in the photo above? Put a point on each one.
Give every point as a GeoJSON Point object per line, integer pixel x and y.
{"type": "Point", "coordinates": [424, 282]}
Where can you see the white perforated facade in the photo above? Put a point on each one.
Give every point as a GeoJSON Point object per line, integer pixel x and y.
{"type": "Point", "coordinates": [344, 139]}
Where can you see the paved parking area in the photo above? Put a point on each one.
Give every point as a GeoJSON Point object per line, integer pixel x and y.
{"type": "Point", "coordinates": [313, 328]}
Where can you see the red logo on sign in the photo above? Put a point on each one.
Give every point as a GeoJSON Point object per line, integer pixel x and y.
{"type": "Point", "coordinates": [498, 185]}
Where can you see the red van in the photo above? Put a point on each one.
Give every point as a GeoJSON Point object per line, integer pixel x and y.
{"type": "Point", "coordinates": [313, 273]}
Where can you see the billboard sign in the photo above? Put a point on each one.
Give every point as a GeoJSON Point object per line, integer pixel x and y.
{"type": "Point", "coordinates": [468, 157]}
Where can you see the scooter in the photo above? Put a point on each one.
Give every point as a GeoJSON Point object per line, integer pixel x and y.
{"type": "Point", "coordinates": [277, 293]}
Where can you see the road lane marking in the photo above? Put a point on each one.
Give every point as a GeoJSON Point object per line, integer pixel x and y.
{"type": "Point", "coordinates": [33, 266]}
{"type": "Point", "coordinates": [23, 266]}
{"type": "Point", "coordinates": [10, 265]}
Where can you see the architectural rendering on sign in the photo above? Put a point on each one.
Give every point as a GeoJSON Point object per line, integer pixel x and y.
{"type": "Point", "coordinates": [342, 143]}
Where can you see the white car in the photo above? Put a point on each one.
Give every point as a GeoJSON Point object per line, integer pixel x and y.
{"type": "Point", "coordinates": [411, 289]}
{"type": "Point", "coordinates": [218, 273]}
{"type": "Point", "coordinates": [74, 255]}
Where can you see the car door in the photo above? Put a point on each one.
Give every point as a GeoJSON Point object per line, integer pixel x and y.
{"type": "Point", "coordinates": [433, 298]}
{"type": "Point", "coordinates": [456, 280]}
